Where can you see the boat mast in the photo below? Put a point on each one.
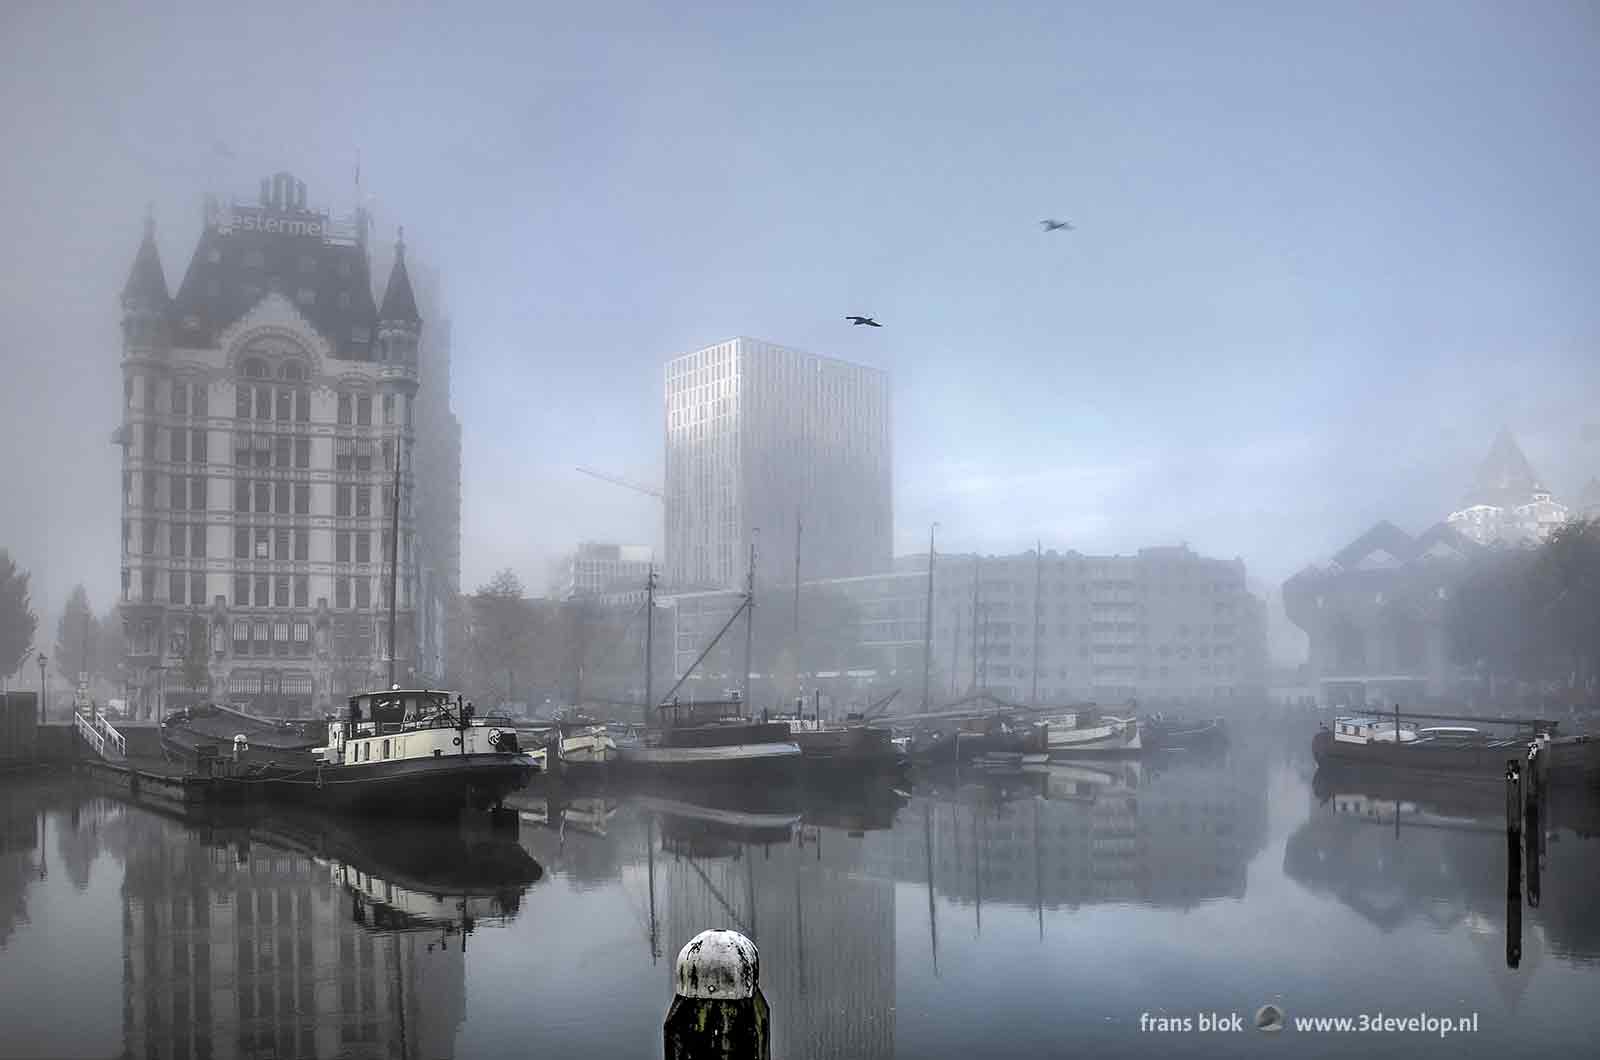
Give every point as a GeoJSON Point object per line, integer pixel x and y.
{"type": "Point", "coordinates": [649, 634]}
{"type": "Point", "coordinates": [749, 620]}
{"type": "Point", "coordinates": [927, 626]}
{"type": "Point", "coordinates": [394, 549]}
{"type": "Point", "coordinates": [797, 576]}
{"type": "Point", "coordinates": [977, 571]}
{"type": "Point", "coordinates": [1038, 558]}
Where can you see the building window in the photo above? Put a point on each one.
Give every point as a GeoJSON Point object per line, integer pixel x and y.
{"type": "Point", "coordinates": [285, 403]}
{"type": "Point", "coordinates": [180, 539]}
{"type": "Point", "coordinates": [241, 638]}
{"type": "Point", "coordinates": [302, 406]}
{"type": "Point", "coordinates": [388, 409]}
{"type": "Point", "coordinates": [342, 593]}
{"type": "Point", "coordinates": [281, 498]}
{"type": "Point", "coordinates": [363, 593]}
{"type": "Point", "coordinates": [260, 638]}
{"type": "Point", "coordinates": [364, 501]}
{"type": "Point", "coordinates": [302, 499]}
{"type": "Point", "coordinates": [241, 543]}
{"type": "Point", "coordinates": [241, 590]}
{"type": "Point", "coordinates": [341, 547]}
{"type": "Point", "coordinates": [262, 448]}
{"type": "Point", "coordinates": [197, 589]}
{"type": "Point", "coordinates": [263, 403]}
{"type": "Point", "coordinates": [343, 454]}
{"type": "Point", "coordinates": [177, 493]}
{"type": "Point", "coordinates": [302, 590]}
{"type": "Point", "coordinates": [197, 540]}
{"type": "Point", "coordinates": [363, 547]}
{"type": "Point", "coordinates": [179, 444]}
{"type": "Point", "coordinates": [301, 543]}
{"type": "Point", "coordinates": [241, 495]}
{"type": "Point", "coordinates": [364, 455]}
{"type": "Point", "coordinates": [263, 497]}
{"type": "Point", "coordinates": [262, 598]}
{"type": "Point", "coordinates": [280, 544]}
{"type": "Point", "coordinates": [302, 453]}
{"type": "Point", "coordinates": [241, 401]}
{"type": "Point", "coordinates": [262, 549]}
{"type": "Point", "coordinates": [280, 594]}
{"type": "Point", "coordinates": [280, 451]}
{"type": "Point", "coordinates": [197, 494]}
{"type": "Point", "coordinates": [345, 406]}
{"type": "Point", "coordinates": [364, 410]}
{"type": "Point", "coordinates": [342, 497]}
{"type": "Point", "coordinates": [200, 400]}
{"type": "Point", "coordinates": [175, 586]}
{"type": "Point", "coordinates": [147, 584]}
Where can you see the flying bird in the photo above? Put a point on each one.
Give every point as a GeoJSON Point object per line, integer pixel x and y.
{"type": "Point", "coordinates": [868, 321]}
{"type": "Point", "coordinates": [1051, 224]}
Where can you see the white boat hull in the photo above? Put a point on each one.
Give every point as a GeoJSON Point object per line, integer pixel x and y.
{"type": "Point", "coordinates": [712, 762]}
{"type": "Point", "coordinates": [588, 749]}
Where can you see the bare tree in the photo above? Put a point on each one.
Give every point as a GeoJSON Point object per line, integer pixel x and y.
{"type": "Point", "coordinates": [17, 620]}
{"type": "Point", "coordinates": [501, 631]}
{"type": "Point", "coordinates": [77, 635]}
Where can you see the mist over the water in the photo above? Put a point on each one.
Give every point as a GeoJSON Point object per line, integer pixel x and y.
{"type": "Point", "coordinates": [1320, 256]}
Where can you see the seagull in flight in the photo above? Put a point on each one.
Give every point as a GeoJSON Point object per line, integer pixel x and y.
{"type": "Point", "coordinates": [868, 321]}
{"type": "Point", "coordinates": [1050, 224]}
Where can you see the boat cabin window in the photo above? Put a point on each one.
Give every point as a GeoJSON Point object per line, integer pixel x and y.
{"type": "Point", "coordinates": [386, 748]}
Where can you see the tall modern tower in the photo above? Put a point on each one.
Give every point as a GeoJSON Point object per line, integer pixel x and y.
{"type": "Point", "coordinates": [759, 436]}
{"type": "Point", "coordinates": [263, 407]}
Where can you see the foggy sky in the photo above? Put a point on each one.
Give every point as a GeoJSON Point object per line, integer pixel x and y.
{"type": "Point", "coordinates": [1322, 255]}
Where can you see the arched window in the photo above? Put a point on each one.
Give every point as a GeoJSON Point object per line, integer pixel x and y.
{"type": "Point", "coordinates": [254, 368]}
{"type": "Point", "coordinates": [292, 370]}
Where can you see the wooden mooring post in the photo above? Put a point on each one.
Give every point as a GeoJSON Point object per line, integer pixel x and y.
{"type": "Point", "coordinates": [717, 1009]}
{"type": "Point", "coordinates": [1513, 864]}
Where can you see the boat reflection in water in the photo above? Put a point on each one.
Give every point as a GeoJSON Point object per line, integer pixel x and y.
{"type": "Point", "coordinates": [1400, 851]}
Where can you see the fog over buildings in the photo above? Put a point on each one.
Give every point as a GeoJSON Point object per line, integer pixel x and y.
{"type": "Point", "coordinates": [1321, 258]}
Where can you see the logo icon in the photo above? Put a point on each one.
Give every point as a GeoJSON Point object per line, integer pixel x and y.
{"type": "Point", "coordinates": [1269, 1018]}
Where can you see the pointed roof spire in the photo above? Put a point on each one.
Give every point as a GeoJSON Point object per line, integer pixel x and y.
{"type": "Point", "coordinates": [1505, 478]}
{"type": "Point", "coordinates": [147, 282]}
{"type": "Point", "coordinates": [399, 303]}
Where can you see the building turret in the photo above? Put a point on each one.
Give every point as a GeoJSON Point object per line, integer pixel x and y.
{"type": "Point", "coordinates": [146, 305]}
{"type": "Point", "coordinates": [399, 324]}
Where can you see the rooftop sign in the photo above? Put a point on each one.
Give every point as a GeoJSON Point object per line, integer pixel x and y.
{"type": "Point", "coordinates": [257, 219]}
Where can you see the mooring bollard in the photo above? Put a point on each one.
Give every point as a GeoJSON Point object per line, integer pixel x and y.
{"type": "Point", "coordinates": [717, 1010]}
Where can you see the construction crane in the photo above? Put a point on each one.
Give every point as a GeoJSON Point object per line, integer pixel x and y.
{"type": "Point", "coordinates": [624, 483]}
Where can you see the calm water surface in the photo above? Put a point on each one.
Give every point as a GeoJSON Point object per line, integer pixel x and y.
{"type": "Point", "coordinates": [1033, 915]}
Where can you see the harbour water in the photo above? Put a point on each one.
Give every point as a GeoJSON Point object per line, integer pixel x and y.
{"type": "Point", "coordinates": [1080, 909]}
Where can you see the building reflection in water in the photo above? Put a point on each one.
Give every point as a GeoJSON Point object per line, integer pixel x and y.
{"type": "Point", "coordinates": [1076, 833]}
{"type": "Point", "coordinates": [1400, 851]}
{"type": "Point", "coordinates": [242, 946]}
{"type": "Point", "coordinates": [812, 879]}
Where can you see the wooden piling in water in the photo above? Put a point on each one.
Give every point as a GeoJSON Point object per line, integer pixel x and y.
{"type": "Point", "coordinates": [1513, 864]}
{"type": "Point", "coordinates": [717, 1010]}
{"type": "Point", "coordinates": [1513, 797]}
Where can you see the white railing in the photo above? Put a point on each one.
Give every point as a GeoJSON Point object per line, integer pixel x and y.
{"type": "Point", "coordinates": [101, 734]}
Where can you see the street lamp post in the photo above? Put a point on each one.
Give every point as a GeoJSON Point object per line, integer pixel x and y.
{"type": "Point", "coordinates": [42, 713]}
